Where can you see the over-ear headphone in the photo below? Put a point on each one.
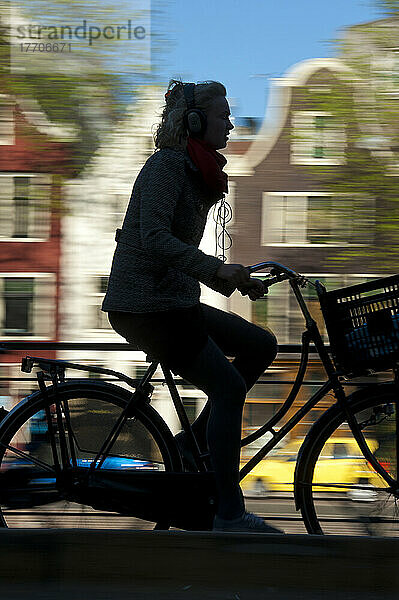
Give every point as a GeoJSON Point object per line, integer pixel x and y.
{"type": "Point", "coordinates": [194, 119]}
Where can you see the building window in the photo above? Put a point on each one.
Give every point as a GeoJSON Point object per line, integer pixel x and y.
{"type": "Point", "coordinates": [24, 206]}
{"type": "Point", "coordinates": [316, 139]}
{"type": "Point", "coordinates": [18, 304]}
{"type": "Point", "coordinates": [97, 318]}
{"type": "Point", "coordinates": [321, 145]}
{"type": "Point", "coordinates": [384, 69]}
{"type": "Point", "coordinates": [21, 206]}
{"type": "Point", "coordinates": [315, 218]}
{"type": "Point", "coordinates": [117, 210]}
{"type": "Point", "coordinates": [6, 121]}
{"type": "Point", "coordinates": [26, 305]}
{"type": "Point", "coordinates": [280, 311]}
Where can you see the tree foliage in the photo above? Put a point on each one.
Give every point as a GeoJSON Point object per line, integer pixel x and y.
{"type": "Point", "coordinates": [388, 7]}
{"type": "Point", "coordinates": [87, 89]}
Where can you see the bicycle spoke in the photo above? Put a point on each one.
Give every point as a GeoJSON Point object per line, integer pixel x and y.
{"type": "Point", "coordinates": [28, 457]}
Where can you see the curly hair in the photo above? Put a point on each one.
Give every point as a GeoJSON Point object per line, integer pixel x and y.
{"type": "Point", "coordinates": [171, 130]}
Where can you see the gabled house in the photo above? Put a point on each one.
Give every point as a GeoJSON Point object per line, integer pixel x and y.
{"type": "Point", "coordinates": [283, 211]}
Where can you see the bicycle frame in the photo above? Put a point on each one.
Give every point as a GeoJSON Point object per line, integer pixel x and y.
{"type": "Point", "coordinates": [143, 391]}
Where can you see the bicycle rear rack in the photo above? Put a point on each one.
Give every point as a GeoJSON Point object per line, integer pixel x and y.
{"type": "Point", "coordinates": [57, 368]}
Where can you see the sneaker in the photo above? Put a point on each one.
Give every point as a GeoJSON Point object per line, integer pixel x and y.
{"type": "Point", "coordinates": [247, 522]}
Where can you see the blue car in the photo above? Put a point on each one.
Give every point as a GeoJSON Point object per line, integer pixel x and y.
{"type": "Point", "coordinates": [24, 485]}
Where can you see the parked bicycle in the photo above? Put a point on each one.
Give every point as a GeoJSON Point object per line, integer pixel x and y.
{"type": "Point", "coordinates": [100, 447]}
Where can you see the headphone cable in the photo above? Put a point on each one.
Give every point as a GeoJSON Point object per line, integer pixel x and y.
{"type": "Point", "coordinates": [222, 214]}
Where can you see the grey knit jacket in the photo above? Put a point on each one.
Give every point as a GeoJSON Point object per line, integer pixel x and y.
{"type": "Point", "coordinates": [157, 264]}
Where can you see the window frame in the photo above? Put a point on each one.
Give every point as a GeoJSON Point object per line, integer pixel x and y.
{"type": "Point", "coordinates": [47, 179]}
{"type": "Point", "coordinates": [7, 137]}
{"type": "Point", "coordinates": [301, 140]}
{"type": "Point", "coordinates": [267, 231]}
{"type": "Point", "coordinates": [44, 301]}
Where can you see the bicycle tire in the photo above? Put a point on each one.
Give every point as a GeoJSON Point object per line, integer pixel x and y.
{"type": "Point", "coordinates": [362, 505]}
{"type": "Point", "coordinates": [93, 406]}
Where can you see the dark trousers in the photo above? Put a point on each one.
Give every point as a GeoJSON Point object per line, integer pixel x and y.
{"type": "Point", "coordinates": [226, 384]}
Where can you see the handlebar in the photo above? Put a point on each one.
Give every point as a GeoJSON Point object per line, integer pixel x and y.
{"type": "Point", "coordinates": [274, 266]}
{"type": "Point", "coordinates": [278, 273]}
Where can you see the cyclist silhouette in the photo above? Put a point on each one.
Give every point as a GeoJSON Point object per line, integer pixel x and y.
{"type": "Point", "coordinates": [153, 296]}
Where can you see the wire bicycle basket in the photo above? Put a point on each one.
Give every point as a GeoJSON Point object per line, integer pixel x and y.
{"type": "Point", "coordinates": [362, 323]}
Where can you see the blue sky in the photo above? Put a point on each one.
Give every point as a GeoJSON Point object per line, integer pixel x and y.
{"type": "Point", "coordinates": [233, 40]}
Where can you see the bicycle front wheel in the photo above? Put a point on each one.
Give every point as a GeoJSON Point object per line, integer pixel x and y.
{"type": "Point", "coordinates": [29, 493]}
{"type": "Point", "coordinates": [336, 488]}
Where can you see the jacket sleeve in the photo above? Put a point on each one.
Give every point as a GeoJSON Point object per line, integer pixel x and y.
{"type": "Point", "coordinates": [161, 186]}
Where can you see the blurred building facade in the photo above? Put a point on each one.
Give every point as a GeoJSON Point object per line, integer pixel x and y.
{"type": "Point", "coordinates": [285, 213]}
{"type": "Point", "coordinates": [52, 287]}
{"type": "Point", "coordinates": [33, 156]}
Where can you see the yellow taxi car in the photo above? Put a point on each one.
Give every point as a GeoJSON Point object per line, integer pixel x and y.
{"type": "Point", "coordinates": [340, 462]}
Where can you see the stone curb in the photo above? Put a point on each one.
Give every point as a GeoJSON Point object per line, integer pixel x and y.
{"type": "Point", "coordinates": [188, 560]}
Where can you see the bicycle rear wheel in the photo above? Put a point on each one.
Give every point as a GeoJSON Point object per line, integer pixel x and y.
{"type": "Point", "coordinates": [29, 494]}
{"type": "Point", "coordinates": [337, 490]}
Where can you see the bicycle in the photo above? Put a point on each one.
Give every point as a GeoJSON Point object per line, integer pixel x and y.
{"type": "Point", "coordinates": [86, 426]}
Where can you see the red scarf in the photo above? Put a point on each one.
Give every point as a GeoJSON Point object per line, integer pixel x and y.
{"type": "Point", "coordinates": [210, 163]}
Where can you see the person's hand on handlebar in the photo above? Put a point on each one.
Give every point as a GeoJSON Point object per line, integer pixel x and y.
{"type": "Point", "coordinates": [238, 275]}
{"type": "Point", "coordinates": [254, 288]}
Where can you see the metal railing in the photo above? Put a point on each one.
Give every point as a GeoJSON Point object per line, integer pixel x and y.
{"type": "Point", "coordinates": [283, 349]}
{"type": "Point", "coordinates": [36, 345]}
